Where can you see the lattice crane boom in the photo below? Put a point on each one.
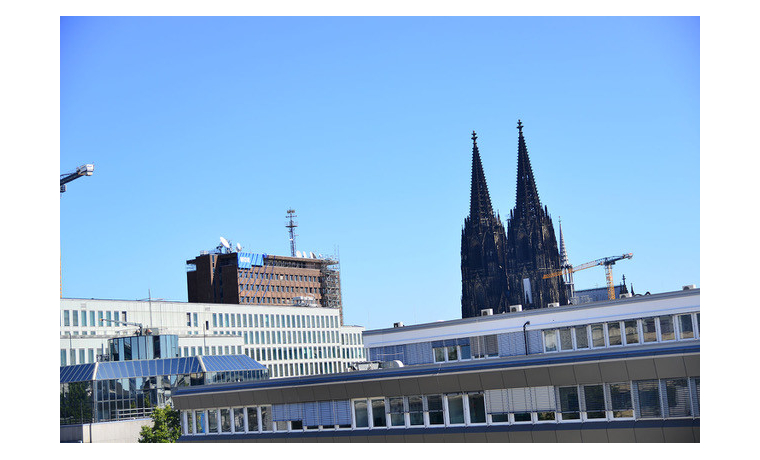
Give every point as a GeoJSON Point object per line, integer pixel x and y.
{"type": "Point", "coordinates": [608, 262]}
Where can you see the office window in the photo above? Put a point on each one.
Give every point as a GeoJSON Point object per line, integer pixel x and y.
{"type": "Point", "coordinates": [679, 403]}
{"type": "Point", "coordinates": [188, 319]}
{"type": "Point", "coordinates": [613, 330]}
{"type": "Point", "coordinates": [593, 397]}
{"type": "Point", "coordinates": [195, 319]}
{"type": "Point", "coordinates": [569, 403]}
{"type": "Point", "coordinates": [90, 355]}
{"type": "Point", "coordinates": [256, 320]}
{"type": "Point", "coordinates": [649, 330]}
{"type": "Point", "coordinates": [631, 332]}
{"type": "Point", "coordinates": [597, 335]}
{"type": "Point", "coordinates": [684, 323]}
{"type": "Point", "coordinates": [200, 422]}
{"type": "Point", "coordinates": [213, 421]}
{"type": "Point", "coordinates": [238, 415]}
{"type": "Point", "coordinates": [360, 413]}
{"type": "Point", "coordinates": [581, 336]}
{"type": "Point", "coordinates": [226, 320]}
{"type": "Point", "coordinates": [649, 398]}
{"type": "Point", "coordinates": [245, 321]}
{"type": "Point", "coordinates": [238, 320]}
{"type": "Point", "coordinates": [66, 321]}
{"type": "Point", "coordinates": [477, 406]}
{"type": "Point", "coordinates": [621, 403]}
{"type": "Point", "coordinates": [108, 317]}
{"type": "Point", "coordinates": [396, 410]}
{"type": "Point", "coordinates": [666, 328]}
{"type": "Point", "coordinates": [92, 319]}
{"type": "Point", "coordinates": [550, 340]}
{"type": "Point", "coordinates": [456, 409]}
{"type": "Point", "coordinates": [81, 356]}
{"type": "Point", "coordinates": [434, 409]}
{"type": "Point", "coordinates": [214, 319]}
{"type": "Point", "coordinates": [565, 339]}
{"type": "Point", "coordinates": [63, 358]}
{"type": "Point", "coordinates": [74, 318]}
{"type": "Point", "coordinates": [416, 411]}
{"type": "Point", "coordinates": [253, 419]}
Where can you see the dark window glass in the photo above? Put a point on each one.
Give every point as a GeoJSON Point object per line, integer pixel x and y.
{"type": "Point", "coordinates": [378, 412]}
{"type": "Point", "coordinates": [594, 399]}
{"type": "Point", "coordinates": [477, 408]}
{"type": "Point", "coordinates": [238, 416]}
{"type": "Point", "coordinates": [266, 418]}
{"type": "Point", "coordinates": [568, 402]}
{"type": "Point", "coordinates": [435, 409]}
{"type": "Point", "coordinates": [687, 328]}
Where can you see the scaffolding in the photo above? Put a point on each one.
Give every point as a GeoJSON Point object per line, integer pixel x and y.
{"type": "Point", "coordinates": [331, 296]}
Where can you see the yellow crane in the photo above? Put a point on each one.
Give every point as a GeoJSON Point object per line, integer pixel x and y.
{"type": "Point", "coordinates": [608, 262]}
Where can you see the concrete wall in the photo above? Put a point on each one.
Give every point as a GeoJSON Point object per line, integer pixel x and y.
{"type": "Point", "coordinates": [121, 431]}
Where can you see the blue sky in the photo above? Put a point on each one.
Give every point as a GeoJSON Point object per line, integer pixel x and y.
{"type": "Point", "coordinates": [207, 127]}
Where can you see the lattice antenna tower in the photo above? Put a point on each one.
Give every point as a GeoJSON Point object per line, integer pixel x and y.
{"type": "Point", "coordinates": [291, 225]}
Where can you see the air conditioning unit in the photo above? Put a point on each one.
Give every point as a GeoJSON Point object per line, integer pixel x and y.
{"type": "Point", "coordinates": [399, 324]}
{"type": "Point", "coordinates": [689, 286]}
{"type": "Point", "coordinates": [486, 312]}
{"type": "Point", "coordinates": [553, 304]}
{"type": "Point", "coordinates": [515, 308]}
{"type": "Point", "coordinates": [625, 295]}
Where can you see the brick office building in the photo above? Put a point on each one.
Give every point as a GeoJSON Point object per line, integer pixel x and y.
{"type": "Point", "coordinates": [263, 279]}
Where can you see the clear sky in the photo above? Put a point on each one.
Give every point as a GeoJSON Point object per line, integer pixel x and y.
{"type": "Point", "coordinates": [207, 127]}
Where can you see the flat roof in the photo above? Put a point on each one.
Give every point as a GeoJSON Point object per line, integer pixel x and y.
{"type": "Point", "coordinates": [534, 312]}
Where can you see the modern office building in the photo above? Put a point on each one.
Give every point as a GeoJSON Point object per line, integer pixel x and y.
{"type": "Point", "coordinates": [614, 371]}
{"type": "Point", "coordinates": [225, 276]}
{"type": "Point", "coordinates": [289, 340]}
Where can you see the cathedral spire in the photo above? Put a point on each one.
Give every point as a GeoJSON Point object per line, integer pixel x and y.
{"type": "Point", "coordinates": [480, 201]}
{"type": "Point", "coordinates": [563, 260]}
{"type": "Point", "coordinates": [528, 203]}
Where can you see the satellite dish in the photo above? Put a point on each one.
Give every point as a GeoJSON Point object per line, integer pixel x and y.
{"type": "Point", "coordinates": [225, 243]}
{"type": "Point", "coordinates": [298, 253]}
{"type": "Point", "coordinates": [311, 254]}
{"type": "Point", "coordinates": [239, 248]}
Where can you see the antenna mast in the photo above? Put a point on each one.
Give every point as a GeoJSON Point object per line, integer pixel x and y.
{"type": "Point", "coordinates": [291, 225]}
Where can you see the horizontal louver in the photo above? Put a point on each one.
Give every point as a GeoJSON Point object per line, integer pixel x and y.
{"type": "Point", "coordinates": [544, 399]}
{"type": "Point", "coordinates": [497, 401]}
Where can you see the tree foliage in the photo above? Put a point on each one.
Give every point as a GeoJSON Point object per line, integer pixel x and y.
{"type": "Point", "coordinates": [166, 426]}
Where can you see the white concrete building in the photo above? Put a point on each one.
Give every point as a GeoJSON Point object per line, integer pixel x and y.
{"type": "Point", "coordinates": [288, 340]}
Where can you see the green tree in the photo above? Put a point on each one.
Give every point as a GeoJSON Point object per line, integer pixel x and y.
{"type": "Point", "coordinates": [166, 426]}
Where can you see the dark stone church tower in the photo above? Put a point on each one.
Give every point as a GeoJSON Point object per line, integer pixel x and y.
{"type": "Point", "coordinates": [484, 275]}
{"type": "Point", "coordinates": [531, 243]}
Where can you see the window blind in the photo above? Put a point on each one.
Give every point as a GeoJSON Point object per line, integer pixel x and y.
{"type": "Point", "coordinates": [544, 399]}
{"type": "Point", "coordinates": [520, 399]}
{"type": "Point", "coordinates": [679, 404]}
{"type": "Point", "coordinates": [648, 392]}
{"type": "Point", "coordinates": [497, 401]}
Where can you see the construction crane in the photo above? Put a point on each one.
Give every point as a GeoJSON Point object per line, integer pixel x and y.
{"type": "Point", "coordinates": [84, 170]}
{"type": "Point", "coordinates": [608, 262]}
{"type": "Point", "coordinates": [140, 330]}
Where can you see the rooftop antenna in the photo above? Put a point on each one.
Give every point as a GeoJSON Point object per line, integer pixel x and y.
{"type": "Point", "coordinates": [225, 243]}
{"type": "Point", "coordinates": [239, 248]}
{"type": "Point", "coordinates": [291, 225]}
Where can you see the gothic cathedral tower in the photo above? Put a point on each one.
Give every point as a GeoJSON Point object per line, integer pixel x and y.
{"type": "Point", "coordinates": [531, 243]}
{"type": "Point", "coordinates": [484, 275]}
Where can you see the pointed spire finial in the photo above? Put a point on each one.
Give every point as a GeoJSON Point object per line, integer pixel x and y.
{"type": "Point", "coordinates": [519, 125]}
